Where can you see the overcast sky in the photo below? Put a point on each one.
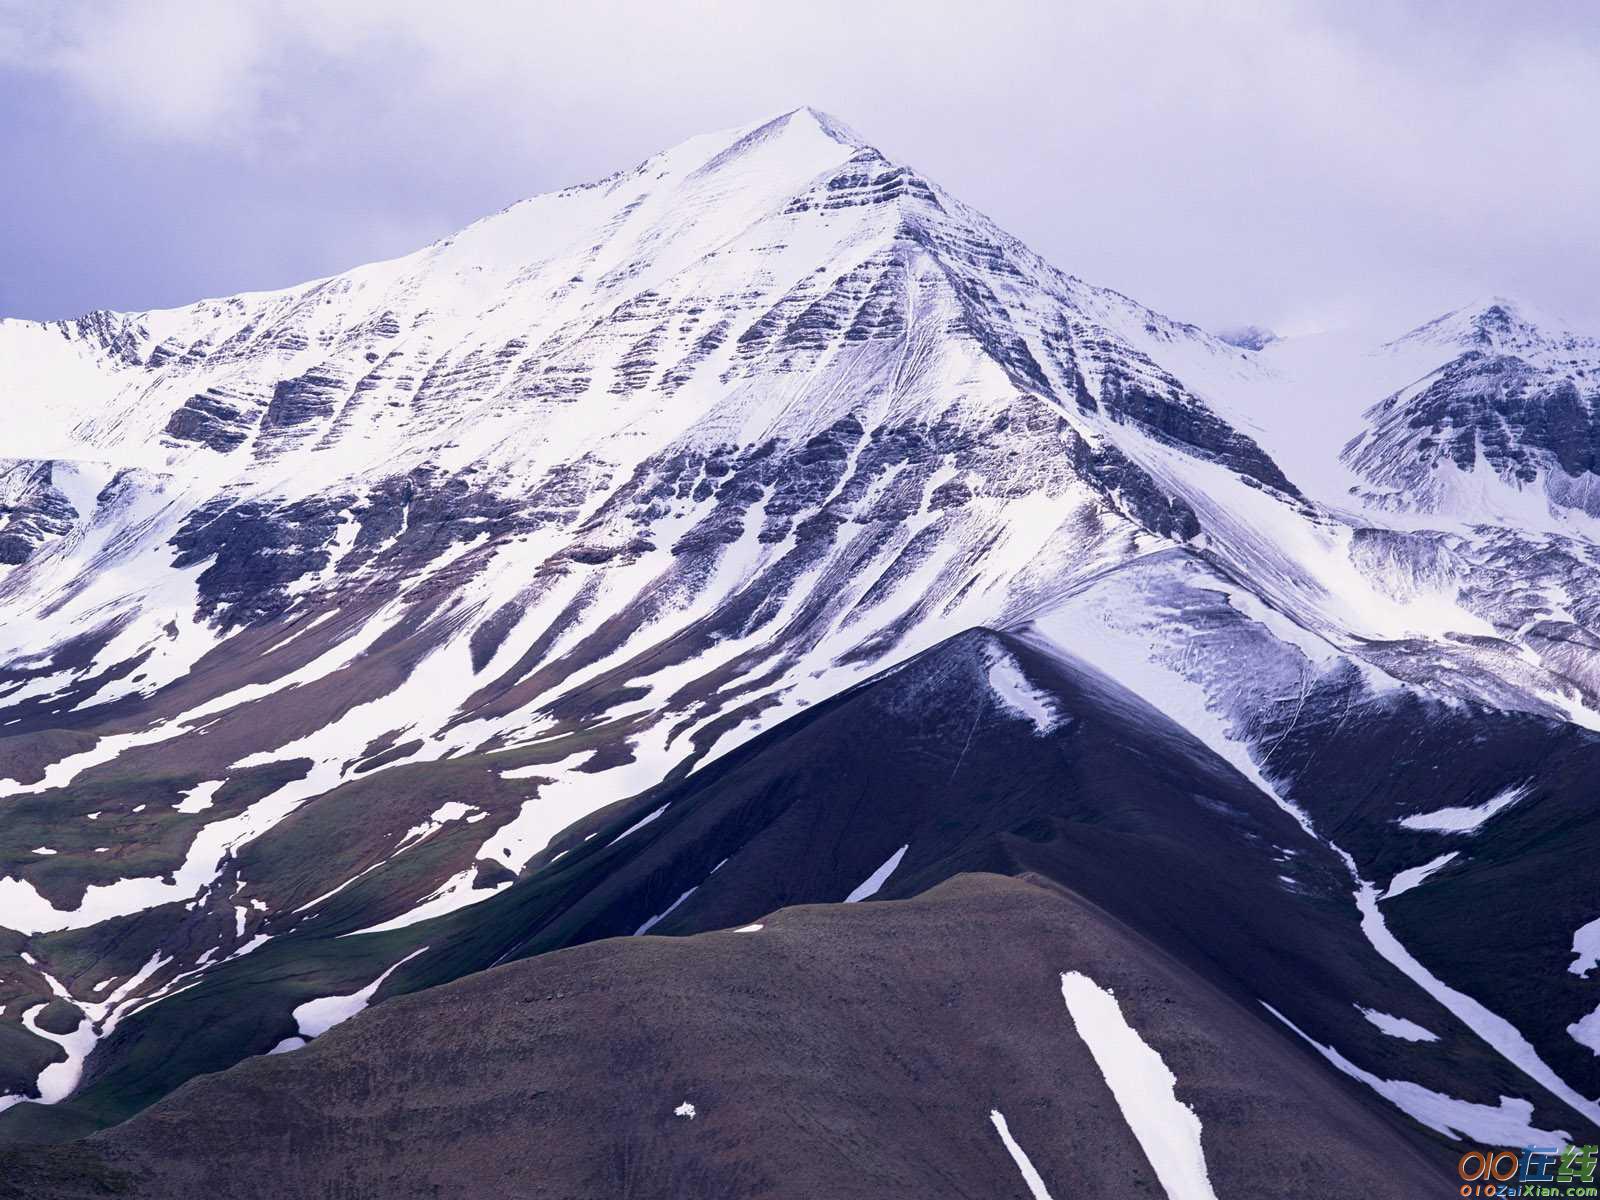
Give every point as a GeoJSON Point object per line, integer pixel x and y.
{"type": "Point", "coordinates": [1289, 164]}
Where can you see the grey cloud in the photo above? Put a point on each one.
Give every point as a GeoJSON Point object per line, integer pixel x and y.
{"type": "Point", "coordinates": [1288, 164]}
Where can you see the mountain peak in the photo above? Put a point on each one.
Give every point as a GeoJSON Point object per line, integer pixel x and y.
{"type": "Point", "coordinates": [829, 124]}
{"type": "Point", "coordinates": [1495, 324]}
{"type": "Point", "coordinates": [1247, 337]}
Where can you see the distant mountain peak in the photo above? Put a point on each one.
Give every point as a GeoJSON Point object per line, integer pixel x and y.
{"type": "Point", "coordinates": [1247, 337]}
{"type": "Point", "coordinates": [1496, 324]}
{"type": "Point", "coordinates": [1513, 391]}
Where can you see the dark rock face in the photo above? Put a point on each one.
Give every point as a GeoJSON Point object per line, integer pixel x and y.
{"type": "Point", "coordinates": [1178, 418]}
{"type": "Point", "coordinates": [844, 475]}
{"type": "Point", "coordinates": [1523, 402]}
{"type": "Point", "coordinates": [1498, 407]}
{"type": "Point", "coordinates": [114, 333]}
{"type": "Point", "coordinates": [259, 549]}
{"type": "Point", "coordinates": [36, 514]}
{"type": "Point", "coordinates": [867, 179]}
{"type": "Point", "coordinates": [218, 417]}
{"type": "Point", "coordinates": [1134, 491]}
{"type": "Point", "coordinates": [256, 552]}
{"type": "Point", "coordinates": [305, 398]}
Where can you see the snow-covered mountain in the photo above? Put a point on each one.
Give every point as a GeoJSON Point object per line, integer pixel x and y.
{"type": "Point", "coordinates": [472, 605]}
{"type": "Point", "coordinates": [1506, 422]}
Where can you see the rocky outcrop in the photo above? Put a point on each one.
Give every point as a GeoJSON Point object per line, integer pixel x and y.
{"type": "Point", "coordinates": [221, 418]}
{"type": "Point", "coordinates": [32, 510]}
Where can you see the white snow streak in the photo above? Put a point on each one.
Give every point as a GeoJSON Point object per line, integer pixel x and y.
{"type": "Point", "coordinates": [316, 1017]}
{"type": "Point", "coordinates": [1466, 820]}
{"type": "Point", "coordinates": [871, 885]}
{"type": "Point", "coordinates": [200, 797]}
{"type": "Point", "coordinates": [1506, 1039]}
{"type": "Point", "coordinates": [1030, 1174]}
{"type": "Point", "coordinates": [1012, 689]}
{"type": "Point", "coordinates": [454, 893]}
{"type": "Point", "coordinates": [1168, 1129]}
{"type": "Point", "coordinates": [638, 825]}
{"type": "Point", "coordinates": [1505, 1125]}
{"type": "Point", "coordinates": [662, 916]}
{"type": "Point", "coordinates": [1398, 1027]}
{"type": "Point", "coordinates": [1412, 877]}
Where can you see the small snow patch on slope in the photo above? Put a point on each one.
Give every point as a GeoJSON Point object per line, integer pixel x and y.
{"type": "Point", "coordinates": [1586, 1031]}
{"type": "Point", "coordinates": [1030, 1174]}
{"type": "Point", "coordinates": [1586, 949]}
{"type": "Point", "coordinates": [200, 797]}
{"type": "Point", "coordinates": [316, 1017]}
{"type": "Point", "coordinates": [1465, 820]}
{"type": "Point", "coordinates": [455, 893]}
{"type": "Point", "coordinates": [638, 825]}
{"type": "Point", "coordinates": [874, 882]}
{"type": "Point", "coordinates": [1506, 1125]}
{"type": "Point", "coordinates": [1167, 1129]}
{"type": "Point", "coordinates": [1012, 689]}
{"type": "Point", "coordinates": [665, 913]}
{"type": "Point", "coordinates": [450, 810]}
{"type": "Point", "coordinates": [1398, 1027]}
{"type": "Point", "coordinates": [1412, 877]}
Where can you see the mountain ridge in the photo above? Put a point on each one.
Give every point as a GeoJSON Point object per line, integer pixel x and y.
{"type": "Point", "coordinates": [401, 585]}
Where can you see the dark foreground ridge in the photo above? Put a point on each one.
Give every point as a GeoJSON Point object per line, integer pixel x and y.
{"type": "Point", "coordinates": [840, 1051]}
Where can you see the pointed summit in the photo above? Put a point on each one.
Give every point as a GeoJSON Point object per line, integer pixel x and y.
{"type": "Point", "coordinates": [1495, 324]}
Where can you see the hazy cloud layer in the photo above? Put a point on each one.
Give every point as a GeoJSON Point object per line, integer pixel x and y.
{"type": "Point", "coordinates": [1291, 164]}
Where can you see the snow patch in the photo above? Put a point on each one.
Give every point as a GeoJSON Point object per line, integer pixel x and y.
{"type": "Point", "coordinates": [199, 797]}
{"type": "Point", "coordinates": [1144, 1087]}
{"type": "Point", "coordinates": [665, 913]}
{"type": "Point", "coordinates": [316, 1017]}
{"type": "Point", "coordinates": [1413, 877]}
{"type": "Point", "coordinates": [638, 825]}
{"type": "Point", "coordinates": [1505, 1038]}
{"type": "Point", "coordinates": [1030, 1174]}
{"type": "Point", "coordinates": [450, 810]}
{"type": "Point", "coordinates": [1508, 1124]}
{"type": "Point", "coordinates": [455, 893]}
{"type": "Point", "coordinates": [1012, 689]}
{"type": "Point", "coordinates": [1586, 949]}
{"type": "Point", "coordinates": [1586, 1030]}
{"type": "Point", "coordinates": [873, 883]}
{"type": "Point", "coordinates": [1398, 1027]}
{"type": "Point", "coordinates": [1466, 820]}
